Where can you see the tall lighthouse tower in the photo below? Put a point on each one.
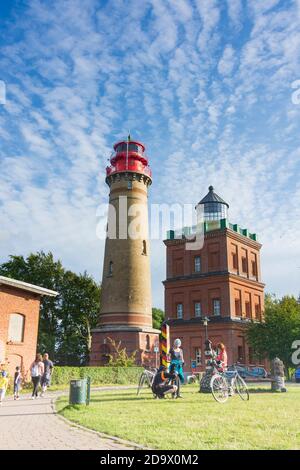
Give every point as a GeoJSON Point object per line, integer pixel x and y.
{"type": "Point", "coordinates": [126, 306]}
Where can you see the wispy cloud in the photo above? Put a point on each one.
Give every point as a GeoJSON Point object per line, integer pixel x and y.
{"type": "Point", "coordinates": [205, 84]}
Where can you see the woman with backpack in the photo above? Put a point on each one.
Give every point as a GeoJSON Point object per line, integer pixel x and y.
{"type": "Point", "coordinates": [36, 372]}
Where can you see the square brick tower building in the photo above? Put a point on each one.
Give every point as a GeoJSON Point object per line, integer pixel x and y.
{"type": "Point", "coordinates": [220, 281]}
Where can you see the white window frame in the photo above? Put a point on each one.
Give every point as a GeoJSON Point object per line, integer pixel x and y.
{"type": "Point", "coordinates": [199, 314]}
{"type": "Point", "coordinates": [197, 264]}
{"type": "Point", "coordinates": [179, 311]}
{"type": "Point", "coordinates": [16, 320]}
{"type": "Point", "coordinates": [217, 307]}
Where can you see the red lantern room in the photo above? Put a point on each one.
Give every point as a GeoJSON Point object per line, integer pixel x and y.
{"type": "Point", "coordinates": [129, 156]}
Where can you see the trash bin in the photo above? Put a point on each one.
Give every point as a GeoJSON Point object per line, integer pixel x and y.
{"type": "Point", "coordinates": [79, 391]}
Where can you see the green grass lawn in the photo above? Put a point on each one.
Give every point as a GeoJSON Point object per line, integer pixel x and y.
{"type": "Point", "coordinates": [267, 421]}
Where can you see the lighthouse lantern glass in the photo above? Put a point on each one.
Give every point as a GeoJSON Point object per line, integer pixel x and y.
{"type": "Point", "coordinates": [215, 211]}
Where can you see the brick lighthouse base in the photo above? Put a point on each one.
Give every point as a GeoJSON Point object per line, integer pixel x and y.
{"type": "Point", "coordinates": [143, 340]}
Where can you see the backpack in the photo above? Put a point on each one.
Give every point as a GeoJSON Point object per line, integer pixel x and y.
{"type": "Point", "coordinates": [35, 370]}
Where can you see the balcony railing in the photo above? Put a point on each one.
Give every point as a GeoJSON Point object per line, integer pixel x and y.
{"type": "Point", "coordinates": [146, 170]}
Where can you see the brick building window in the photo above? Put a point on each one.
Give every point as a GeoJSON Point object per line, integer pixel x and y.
{"type": "Point", "coordinates": [198, 356]}
{"type": "Point", "coordinates": [244, 264]}
{"type": "Point", "coordinates": [179, 311]}
{"type": "Point", "coordinates": [238, 308]}
{"type": "Point", "coordinates": [216, 307]}
{"type": "Point", "coordinates": [197, 309]}
{"type": "Point", "coordinates": [234, 256]}
{"type": "Point", "coordinates": [254, 268]}
{"type": "Point", "coordinates": [16, 328]}
{"type": "Point", "coordinates": [234, 260]}
{"type": "Point", "coordinates": [248, 308]}
{"type": "Point", "coordinates": [147, 343]}
{"type": "Point", "coordinates": [257, 312]}
{"type": "Point", "coordinates": [197, 264]}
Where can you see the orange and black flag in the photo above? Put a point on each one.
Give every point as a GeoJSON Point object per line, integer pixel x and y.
{"type": "Point", "coordinates": [165, 344]}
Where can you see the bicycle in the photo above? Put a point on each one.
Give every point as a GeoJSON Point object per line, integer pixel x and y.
{"type": "Point", "coordinates": [224, 384]}
{"type": "Point", "coordinates": [146, 378]}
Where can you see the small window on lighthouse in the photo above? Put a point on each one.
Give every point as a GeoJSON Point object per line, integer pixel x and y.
{"type": "Point", "coordinates": [144, 247]}
{"type": "Point", "coordinates": [110, 268]}
{"type": "Point", "coordinates": [129, 185]}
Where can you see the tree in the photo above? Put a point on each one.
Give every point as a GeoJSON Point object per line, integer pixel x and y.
{"type": "Point", "coordinates": [65, 321]}
{"type": "Point", "coordinates": [281, 327]}
{"type": "Point", "coordinates": [119, 356]}
{"type": "Point", "coordinates": [158, 317]}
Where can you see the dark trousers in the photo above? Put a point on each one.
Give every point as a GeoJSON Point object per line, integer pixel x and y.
{"type": "Point", "coordinates": [178, 383]}
{"type": "Point", "coordinates": [36, 383]}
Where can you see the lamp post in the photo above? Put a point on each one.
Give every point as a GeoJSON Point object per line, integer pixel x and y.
{"type": "Point", "coordinates": [205, 323]}
{"type": "Point", "coordinates": [206, 378]}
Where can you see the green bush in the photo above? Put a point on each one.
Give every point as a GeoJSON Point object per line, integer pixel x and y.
{"type": "Point", "coordinates": [99, 375]}
{"type": "Point", "coordinates": [63, 375]}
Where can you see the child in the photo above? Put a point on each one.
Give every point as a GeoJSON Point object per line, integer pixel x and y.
{"type": "Point", "coordinates": [3, 385]}
{"type": "Point", "coordinates": [17, 383]}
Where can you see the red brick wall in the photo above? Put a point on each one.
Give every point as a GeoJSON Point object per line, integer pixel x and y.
{"type": "Point", "coordinates": [133, 341]}
{"type": "Point", "coordinates": [193, 336]}
{"type": "Point", "coordinates": [228, 282]}
{"type": "Point", "coordinates": [28, 304]}
{"type": "Point", "coordinates": [222, 277]}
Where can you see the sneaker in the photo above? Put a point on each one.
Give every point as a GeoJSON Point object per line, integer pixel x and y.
{"type": "Point", "coordinates": [32, 398]}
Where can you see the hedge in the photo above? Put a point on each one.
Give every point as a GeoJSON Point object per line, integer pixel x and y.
{"type": "Point", "coordinates": [99, 375]}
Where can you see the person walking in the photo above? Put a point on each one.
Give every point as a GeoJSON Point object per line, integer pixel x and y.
{"type": "Point", "coordinates": [3, 385]}
{"type": "Point", "coordinates": [46, 377]}
{"type": "Point", "coordinates": [17, 383]}
{"type": "Point", "coordinates": [36, 371]}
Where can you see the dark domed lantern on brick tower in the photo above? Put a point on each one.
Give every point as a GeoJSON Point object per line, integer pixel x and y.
{"type": "Point", "coordinates": [214, 207]}
{"type": "Point", "coordinates": [126, 305]}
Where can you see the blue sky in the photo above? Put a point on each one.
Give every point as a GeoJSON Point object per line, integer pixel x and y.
{"type": "Point", "coordinates": [205, 84]}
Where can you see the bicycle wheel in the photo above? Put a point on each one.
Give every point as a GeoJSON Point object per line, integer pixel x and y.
{"type": "Point", "coordinates": [141, 383]}
{"type": "Point", "coordinates": [242, 388]}
{"type": "Point", "coordinates": [219, 388]}
{"type": "Point", "coordinates": [149, 379]}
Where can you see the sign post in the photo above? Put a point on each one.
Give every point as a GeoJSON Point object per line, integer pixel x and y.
{"type": "Point", "coordinates": [156, 350]}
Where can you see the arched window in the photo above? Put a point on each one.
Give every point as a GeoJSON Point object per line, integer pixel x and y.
{"type": "Point", "coordinates": [16, 328]}
{"type": "Point", "coordinates": [144, 247]}
{"type": "Point", "coordinates": [110, 268]}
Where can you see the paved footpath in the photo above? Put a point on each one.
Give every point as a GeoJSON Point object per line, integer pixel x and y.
{"type": "Point", "coordinates": [33, 424]}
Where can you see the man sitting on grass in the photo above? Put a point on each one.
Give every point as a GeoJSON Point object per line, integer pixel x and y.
{"type": "Point", "coordinates": [162, 383]}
